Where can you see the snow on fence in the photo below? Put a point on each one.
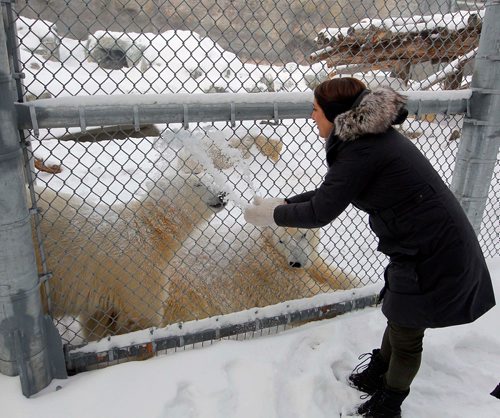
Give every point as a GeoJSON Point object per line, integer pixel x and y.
{"type": "Point", "coordinates": [138, 173]}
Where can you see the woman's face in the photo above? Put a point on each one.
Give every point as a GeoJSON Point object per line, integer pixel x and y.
{"type": "Point", "coordinates": [323, 124]}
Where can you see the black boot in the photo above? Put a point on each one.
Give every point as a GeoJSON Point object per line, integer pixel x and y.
{"type": "Point", "coordinates": [496, 392]}
{"type": "Point", "coordinates": [384, 403]}
{"type": "Point", "coordinates": [368, 376]}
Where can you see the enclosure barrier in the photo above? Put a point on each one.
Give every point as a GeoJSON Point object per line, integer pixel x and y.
{"type": "Point", "coordinates": [184, 109]}
{"type": "Point", "coordinates": [137, 110]}
{"type": "Point", "coordinates": [29, 344]}
{"type": "Point", "coordinates": [476, 156]}
{"type": "Point", "coordinates": [88, 357]}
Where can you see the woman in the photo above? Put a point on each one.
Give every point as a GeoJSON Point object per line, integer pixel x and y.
{"type": "Point", "coordinates": [436, 276]}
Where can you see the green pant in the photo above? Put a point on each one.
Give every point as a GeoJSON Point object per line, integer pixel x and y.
{"type": "Point", "coordinates": [402, 349]}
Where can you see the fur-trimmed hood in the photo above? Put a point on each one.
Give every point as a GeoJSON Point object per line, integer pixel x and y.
{"type": "Point", "coordinates": [376, 112]}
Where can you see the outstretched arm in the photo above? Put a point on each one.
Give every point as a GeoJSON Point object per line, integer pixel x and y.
{"type": "Point", "coordinates": [349, 175]}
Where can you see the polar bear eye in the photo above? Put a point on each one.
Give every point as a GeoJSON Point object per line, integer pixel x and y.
{"type": "Point", "coordinates": [281, 241]}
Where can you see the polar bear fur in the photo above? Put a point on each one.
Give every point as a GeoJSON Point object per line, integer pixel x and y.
{"type": "Point", "coordinates": [108, 263]}
{"type": "Point", "coordinates": [300, 248]}
{"type": "Point", "coordinates": [262, 270]}
{"type": "Point", "coordinates": [127, 267]}
{"type": "Point", "coordinates": [220, 151]}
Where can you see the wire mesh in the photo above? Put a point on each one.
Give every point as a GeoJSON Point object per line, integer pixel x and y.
{"type": "Point", "coordinates": [143, 227]}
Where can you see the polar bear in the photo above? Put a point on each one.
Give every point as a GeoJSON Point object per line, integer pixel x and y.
{"type": "Point", "coordinates": [300, 248]}
{"type": "Point", "coordinates": [260, 267]}
{"type": "Point", "coordinates": [108, 262]}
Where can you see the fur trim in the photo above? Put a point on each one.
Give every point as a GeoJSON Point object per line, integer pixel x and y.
{"type": "Point", "coordinates": [375, 114]}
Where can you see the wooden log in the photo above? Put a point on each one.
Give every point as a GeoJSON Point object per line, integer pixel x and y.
{"type": "Point", "coordinates": [375, 45]}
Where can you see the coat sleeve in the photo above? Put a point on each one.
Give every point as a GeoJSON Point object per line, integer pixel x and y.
{"type": "Point", "coordinates": [349, 175]}
{"type": "Point", "coordinates": [303, 197]}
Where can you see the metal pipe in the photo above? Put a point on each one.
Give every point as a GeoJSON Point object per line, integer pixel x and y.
{"type": "Point", "coordinates": [79, 360]}
{"type": "Point", "coordinates": [478, 149]}
{"type": "Point", "coordinates": [25, 332]}
{"type": "Point", "coordinates": [78, 111]}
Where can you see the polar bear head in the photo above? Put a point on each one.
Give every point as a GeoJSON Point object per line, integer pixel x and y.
{"type": "Point", "coordinates": [192, 194]}
{"type": "Point", "coordinates": [298, 246]}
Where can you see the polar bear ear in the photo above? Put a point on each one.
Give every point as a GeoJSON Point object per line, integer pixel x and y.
{"type": "Point", "coordinates": [270, 147]}
{"type": "Point", "coordinates": [314, 236]}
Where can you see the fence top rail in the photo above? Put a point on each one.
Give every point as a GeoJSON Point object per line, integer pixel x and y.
{"type": "Point", "coordinates": [134, 109]}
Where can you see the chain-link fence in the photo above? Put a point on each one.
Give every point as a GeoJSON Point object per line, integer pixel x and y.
{"type": "Point", "coordinates": [141, 225]}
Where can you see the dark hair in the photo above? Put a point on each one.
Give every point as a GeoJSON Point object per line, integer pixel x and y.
{"type": "Point", "coordinates": [338, 95]}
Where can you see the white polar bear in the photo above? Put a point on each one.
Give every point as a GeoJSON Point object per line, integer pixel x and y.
{"type": "Point", "coordinates": [108, 268]}
{"type": "Point", "coordinates": [300, 248]}
{"type": "Point", "coordinates": [257, 268]}
{"type": "Point", "coordinates": [126, 267]}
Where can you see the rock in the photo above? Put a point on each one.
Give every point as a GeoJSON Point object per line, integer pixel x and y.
{"type": "Point", "coordinates": [41, 37]}
{"type": "Point", "coordinates": [259, 31]}
{"type": "Point", "coordinates": [114, 50]}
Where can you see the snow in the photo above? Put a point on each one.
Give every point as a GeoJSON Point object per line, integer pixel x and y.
{"type": "Point", "coordinates": [438, 95]}
{"type": "Point", "coordinates": [175, 99]}
{"type": "Point", "coordinates": [413, 24]}
{"type": "Point", "coordinates": [173, 62]}
{"type": "Point", "coordinates": [297, 373]}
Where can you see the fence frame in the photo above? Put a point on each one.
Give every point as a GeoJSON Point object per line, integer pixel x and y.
{"type": "Point", "coordinates": [78, 360]}
{"type": "Point", "coordinates": [137, 110]}
{"type": "Point", "coordinates": [480, 141]}
{"type": "Point", "coordinates": [29, 343]}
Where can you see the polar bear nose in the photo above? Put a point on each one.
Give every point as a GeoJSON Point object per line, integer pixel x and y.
{"type": "Point", "coordinates": [220, 202]}
{"type": "Point", "coordinates": [222, 196]}
{"type": "Point", "coordinates": [295, 264]}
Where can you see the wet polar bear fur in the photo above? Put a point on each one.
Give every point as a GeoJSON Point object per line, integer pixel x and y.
{"type": "Point", "coordinates": [125, 268]}
{"type": "Point", "coordinates": [108, 263]}
{"type": "Point", "coordinates": [259, 268]}
{"type": "Point", "coordinates": [300, 248]}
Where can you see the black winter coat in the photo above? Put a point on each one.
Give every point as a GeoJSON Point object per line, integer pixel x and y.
{"type": "Point", "coordinates": [437, 275]}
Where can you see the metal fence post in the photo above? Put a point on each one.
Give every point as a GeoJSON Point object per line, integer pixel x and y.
{"type": "Point", "coordinates": [480, 141]}
{"type": "Point", "coordinates": [29, 344]}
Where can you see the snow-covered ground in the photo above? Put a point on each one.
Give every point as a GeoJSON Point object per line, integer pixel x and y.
{"type": "Point", "coordinates": [298, 373]}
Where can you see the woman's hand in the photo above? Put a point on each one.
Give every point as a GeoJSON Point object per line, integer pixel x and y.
{"type": "Point", "coordinates": [261, 212]}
